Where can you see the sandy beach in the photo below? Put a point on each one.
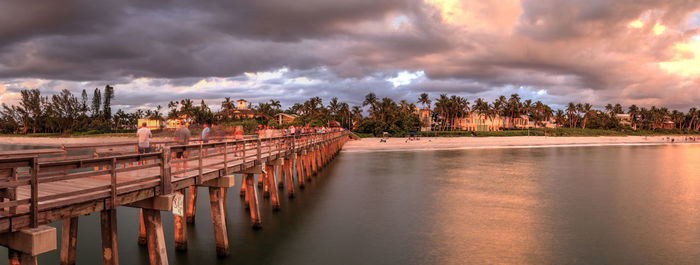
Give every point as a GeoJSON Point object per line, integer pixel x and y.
{"type": "Point", "coordinates": [448, 143]}
{"type": "Point", "coordinates": [400, 144]}
{"type": "Point", "coordinates": [58, 141]}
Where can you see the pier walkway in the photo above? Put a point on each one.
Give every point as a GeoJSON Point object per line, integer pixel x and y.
{"type": "Point", "coordinates": [38, 187]}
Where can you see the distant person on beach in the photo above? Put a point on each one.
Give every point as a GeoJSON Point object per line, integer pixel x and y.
{"type": "Point", "coordinates": [144, 135]}
{"type": "Point", "coordinates": [205, 133]}
{"type": "Point", "coordinates": [182, 137]}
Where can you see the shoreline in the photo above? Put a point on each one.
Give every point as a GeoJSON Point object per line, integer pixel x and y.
{"type": "Point", "coordinates": [400, 144]}
{"type": "Point", "coordinates": [466, 143]}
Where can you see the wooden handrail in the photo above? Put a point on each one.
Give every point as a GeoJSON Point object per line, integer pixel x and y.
{"type": "Point", "coordinates": [157, 171]}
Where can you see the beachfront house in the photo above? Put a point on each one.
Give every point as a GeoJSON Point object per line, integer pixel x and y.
{"type": "Point", "coordinates": [176, 122]}
{"type": "Point", "coordinates": [150, 124]}
{"type": "Point", "coordinates": [481, 123]}
{"type": "Point", "coordinates": [521, 122]}
{"type": "Point", "coordinates": [425, 120]}
{"type": "Point", "coordinates": [284, 118]}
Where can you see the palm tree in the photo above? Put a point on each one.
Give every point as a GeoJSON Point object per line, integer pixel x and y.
{"type": "Point", "coordinates": [425, 100]}
{"type": "Point", "coordinates": [633, 111]}
{"type": "Point", "coordinates": [560, 118]}
{"type": "Point", "coordinates": [571, 109]}
{"type": "Point", "coordinates": [371, 100]}
{"type": "Point", "coordinates": [587, 110]}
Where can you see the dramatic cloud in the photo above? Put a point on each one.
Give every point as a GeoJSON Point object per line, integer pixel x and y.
{"type": "Point", "coordinates": [600, 51]}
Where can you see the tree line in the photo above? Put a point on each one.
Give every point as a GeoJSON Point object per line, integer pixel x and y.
{"type": "Point", "coordinates": [66, 113]}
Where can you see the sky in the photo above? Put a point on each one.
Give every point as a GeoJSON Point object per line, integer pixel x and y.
{"type": "Point", "coordinates": [598, 51]}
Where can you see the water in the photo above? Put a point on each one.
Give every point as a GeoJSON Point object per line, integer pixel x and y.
{"type": "Point", "coordinates": [12, 147]}
{"type": "Point", "coordinates": [573, 205]}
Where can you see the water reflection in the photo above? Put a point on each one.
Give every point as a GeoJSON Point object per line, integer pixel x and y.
{"type": "Point", "coordinates": [580, 205]}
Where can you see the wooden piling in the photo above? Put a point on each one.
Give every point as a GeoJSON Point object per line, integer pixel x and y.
{"type": "Point", "coordinates": [260, 182]}
{"type": "Point", "coordinates": [191, 205]}
{"type": "Point", "coordinates": [255, 219]}
{"type": "Point", "coordinates": [157, 253]}
{"type": "Point", "coordinates": [289, 179]}
{"type": "Point", "coordinates": [264, 177]}
{"type": "Point", "coordinates": [180, 230]}
{"type": "Point", "coordinates": [142, 229]}
{"type": "Point", "coordinates": [218, 217]}
{"type": "Point", "coordinates": [300, 175]}
{"type": "Point", "coordinates": [69, 240]}
{"type": "Point", "coordinates": [307, 168]}
{"type": "Point", "coordinates": [271, 189]}
{"type": "Point", "coordinates": [20, 258]}
{"type": "Point", "coordinates": [280, 179]}
{"type": "Point", "coordinates": [243, 187]}
{"type": "Point", "coordinates": [110, 250]}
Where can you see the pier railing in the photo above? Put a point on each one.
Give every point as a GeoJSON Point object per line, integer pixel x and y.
{"type": "Point", "coordinates": [27, 193]}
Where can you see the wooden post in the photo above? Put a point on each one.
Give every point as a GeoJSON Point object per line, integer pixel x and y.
{"type": "Point", "coordinates": [19, 258]}
{"type": "Point", "coordinates": [271, 188]}
{"type": "Point", "coordinates": [69, 240]}
{"type": "Point", "coordinates": [253, 202]}
{"type": "Point", "coordinates": [265, 179]}
{"type": "Point", "coordinates": [307, 168]}
{"type": "Point", "coordinates": [261, 181]}
{"type": "Point", "coordinates": [243, 187]}
{"type": "Point", "coordinates": [156, 242]}
{"type": "Point", "coordinates": [180, 227]}
{"type": "Point", "coordinates": [110, 250]}
{"type": "Point", "coordinates": [191, 204]}
{"type": "Point", "coordinates": [34, 183]}
{"type": "Point", "coordinates": [289, 178]}
{"type": "Point", "coordinates": [225, 158]}
{"type": "Point", "coordinates": [314, 157]}
{"type": "Point", "coordinates": [280, 179]}
{"type": "Point", "coordinates": [166, 184]}
{"type": "Point", "coordinates": [300, 174]}
{"type": "Point", "coordinates": [142, 229]}
{"type": "Point", "coordinates": [113, 183]}
{"type": "Point", "coordinates": [218, 217]}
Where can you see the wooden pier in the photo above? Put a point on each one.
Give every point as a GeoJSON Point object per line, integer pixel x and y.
{"type": "Point", "coordinates": [44, 186]}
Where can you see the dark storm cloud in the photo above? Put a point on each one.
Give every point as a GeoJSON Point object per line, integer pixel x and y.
{"type": "Point", "coordinates": [157, 51]}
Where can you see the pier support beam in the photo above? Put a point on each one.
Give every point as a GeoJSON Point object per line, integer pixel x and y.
{"type": "Point", "coordinates": [252, 198]}
{"type": "Point", "coordinates": [218, 217]}
{"type": "Point", "coordinates": [157, 253]}
{"type": "Point", "coordinates": [24, 245]}
{"type": "Point", "coordinates": [69, 240]}
{"type": "Point", "coordinates": [271, 187]}
{"type": "Point", "coordinates": [142, 229]}
{"type": "Point", "coordinates": [110, 250]}
{"type": "Point", "coordinates": [180, 227]}
{"type": "Point", "coordinates": [19, 258]}
{"type": "Point", "coordinates": [191, 204]}
{"type": "Point", "coordinates": [299, 166]}
{"type": "Point", "coordinates": [307, 164]}
{"type": "Point", "coordinates": [289, 179]}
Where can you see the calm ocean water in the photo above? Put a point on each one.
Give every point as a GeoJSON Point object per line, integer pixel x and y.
{"type": "Point", "coordinates": [572, 205]}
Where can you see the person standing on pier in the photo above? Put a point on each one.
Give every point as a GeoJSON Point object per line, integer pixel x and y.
{"type": "Point", "coordinates": [144, 135]}
{"type": "Point", "coordinates": [205, 134]}
{"type": "Point", "coordinates": [182, 137]}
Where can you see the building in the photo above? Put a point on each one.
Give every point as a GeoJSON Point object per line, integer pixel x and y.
{"type": "Point", "coordinates": [242, 111]}
{"type": "Point", "coordinates": [624, 118]}
{"type": "Point", "coordinates": [481, 123]}
{"type": "Point", "coordinates": [284, 118]}
{"type": "Point", "coordinates": [426, 121]}
{"type": "Point", "coordinates": [521, 122]}
{"type": "Point", "coordinates": [175, 123]}
{"type": "Point", "coordinates": [242, 104]}
{"type": "Point", "coordinates": [668, 125]}
{"type": "Point", "coordinates": [150, 124]}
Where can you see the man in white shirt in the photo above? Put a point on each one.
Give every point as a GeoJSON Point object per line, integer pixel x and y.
{"type": "Point", "coordinates": [144, 135]}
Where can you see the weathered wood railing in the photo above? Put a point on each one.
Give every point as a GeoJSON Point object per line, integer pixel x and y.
{"type": "Point", "coordinates": [27, 194]}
